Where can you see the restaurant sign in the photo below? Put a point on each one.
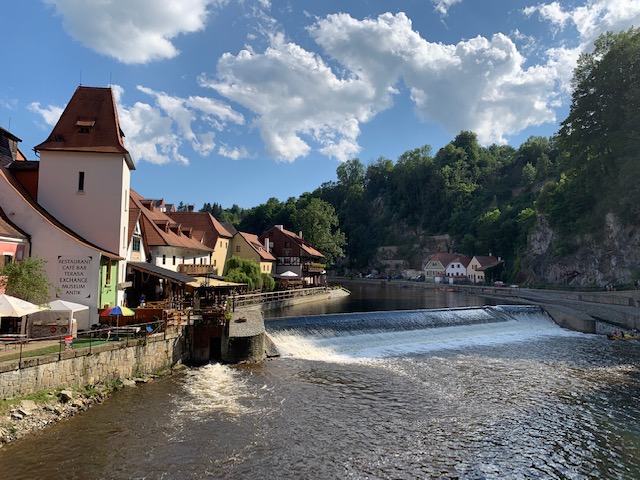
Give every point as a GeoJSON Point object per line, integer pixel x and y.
{"type": "Point", "coordinates": [75, 275]}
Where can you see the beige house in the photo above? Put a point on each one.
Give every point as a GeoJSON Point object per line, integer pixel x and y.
{"type": "Point", "coordinates": [479, 265]}
{"type": "Point", "coordinates": [247, 246]}
{"type": "Point", "coordinates": [210, 232]}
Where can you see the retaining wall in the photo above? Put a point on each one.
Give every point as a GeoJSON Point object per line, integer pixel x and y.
{"type": "Point", "coordinates": [105, 363]}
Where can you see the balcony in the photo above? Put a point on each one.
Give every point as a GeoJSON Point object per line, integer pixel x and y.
{"type": "Point", "coordinates": [194, 270]}
{"type": "Point", "coordinates": [313, 267]}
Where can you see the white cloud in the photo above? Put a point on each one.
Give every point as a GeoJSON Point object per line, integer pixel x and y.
{"type": "Point", "coordinates": [157, 133]}
{"type": "Point", "coordinates": [591, 19]}
{"type": "Point", "coordinates": [478, 84]}
{"type": "Point", "coordinates": [132, 32]}
{"type": "Point", "coordinates": [443, 6]}
{"type": "Point", "coordinates": [49, 114]}
{"type": "Point", "coordinates": [234, 153]}
{"type": "Point", "coordinates": [296, 99]}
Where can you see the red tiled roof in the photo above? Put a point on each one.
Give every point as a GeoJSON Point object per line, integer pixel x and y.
{"type": "Point", "coordinates": [9, 229]}
{"type": "Point", "coordinates": [304, 245]}
{"type": "Point", "coordinates": [445, 258]}
{"type": "Point", "coordinates": [254, 242]}
{"type": "Point", "coordinates": [487, 261]}
{"type": "Point", "coordinates": [160, 230]}
{"type": "Point", "coordinates": [89, 123]}
{"type": "Point", "coordinates": [465, 261]}
{"type": "Point", "coordinates": [204, 225]}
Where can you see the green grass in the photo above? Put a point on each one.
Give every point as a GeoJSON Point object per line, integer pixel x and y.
{"type": "Point", "coordinates": [77, 344]}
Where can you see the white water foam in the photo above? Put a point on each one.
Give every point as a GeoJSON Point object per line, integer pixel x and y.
{"type": "Point", "coordinates": [365, 346]}
{"type": "Point", "coordinates": [214, 387]}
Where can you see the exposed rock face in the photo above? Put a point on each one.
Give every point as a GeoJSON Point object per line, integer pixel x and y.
{"type": "Point", "coordinates": [609, 259]}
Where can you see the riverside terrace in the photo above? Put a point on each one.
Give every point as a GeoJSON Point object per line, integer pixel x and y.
{"type": "Point", "coordinates": [227, 322]}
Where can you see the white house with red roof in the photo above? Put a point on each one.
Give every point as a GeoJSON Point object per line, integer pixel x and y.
{"type": "Point", "coordinates": [457, 268]}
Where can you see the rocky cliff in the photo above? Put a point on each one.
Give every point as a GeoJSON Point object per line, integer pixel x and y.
{"type": "Point", "coordinates": [611, 257]}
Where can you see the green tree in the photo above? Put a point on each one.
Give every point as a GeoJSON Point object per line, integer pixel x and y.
{"type": "Point", "coordinates": [242, 270]}
{"type": "Point", "coordinates": [319, 223]}
{"type": "Point", "coordinates": [601, 135]}
{"type": "Point", "coordinates": [27, 280]}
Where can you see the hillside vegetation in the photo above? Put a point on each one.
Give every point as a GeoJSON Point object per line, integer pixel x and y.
{"type": "Point", "coordinates": [547, 208]}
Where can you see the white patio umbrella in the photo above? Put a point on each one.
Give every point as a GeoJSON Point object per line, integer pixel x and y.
{"type": "Point", "coordinates": [289, 274]}
{"type": "Point", "coordinates": [15, 307]}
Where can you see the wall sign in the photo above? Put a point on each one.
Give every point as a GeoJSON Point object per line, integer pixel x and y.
{"type": "Point", "coordinates": [74, 277]}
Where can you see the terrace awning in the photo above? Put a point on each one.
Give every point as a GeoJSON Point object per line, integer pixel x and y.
{"type": "Point", "coordinates": [161, 272]}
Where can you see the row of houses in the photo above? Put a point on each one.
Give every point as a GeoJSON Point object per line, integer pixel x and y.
{"type": "Point", "coordinates": [104, 243]}
{"type": "Point", "coordinates": [451, 267]}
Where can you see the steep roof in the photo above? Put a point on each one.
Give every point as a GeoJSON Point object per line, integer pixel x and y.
{"type": "Point", "coordinates": [303, 244]}
{"type": "Point", "coordinates": [487, 262]}
{"type": "Point", "coordinates": [204, 226]}
{"type": "Point", "coordinates": [159, 229]}
{"type": "Point", "coordinates": [9, 229]}
{"type": "Point", "coordinates": [463, 260]}
{"type": "Point", "coordinates": [254, 242]}
{"type": "Point", "coordinates": [445, 258]}
{"type": "Point", "coordinates": [89, 123]}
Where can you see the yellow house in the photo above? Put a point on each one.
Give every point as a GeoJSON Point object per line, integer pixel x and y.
{"type": "Point", "coordinates": [211, 232]}
{"type": "Point", "coordinates": [248, 246]}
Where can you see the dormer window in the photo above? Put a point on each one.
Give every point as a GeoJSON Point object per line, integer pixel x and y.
{"type": "Point", "coordinates": [84, 126]}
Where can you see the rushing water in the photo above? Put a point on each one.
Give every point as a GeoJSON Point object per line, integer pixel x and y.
{"type": "Point", "coordinates": [485, 393]}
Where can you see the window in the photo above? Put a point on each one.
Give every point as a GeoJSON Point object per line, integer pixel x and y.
{"type": "Point", "coordinates": [174, 259]}
{"type": "Point", "coordinates": [8, 259]}
{"type": "Point", "coordinates": [135, 244]}
{"type": "Point", "coordinates": [81, 181]}
{"type": "Point", "coordinates": [107, 277]}
{"type": "Point", "coordinates": [164, 259]}
{"type": "Point", "coordinates": [287, 244]}
{"type": "Point", "coordinates": [237, 248]}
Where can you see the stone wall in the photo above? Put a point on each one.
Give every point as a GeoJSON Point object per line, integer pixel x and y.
{"type": "Point", "coordinates": [105, 363]}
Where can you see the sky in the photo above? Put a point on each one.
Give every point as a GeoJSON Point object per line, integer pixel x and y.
{"type": "Point", "coordinates": [237, 101]}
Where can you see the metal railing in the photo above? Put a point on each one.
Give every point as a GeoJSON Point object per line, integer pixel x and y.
{"type": "Point", "coordinates": [259, 298]}
{"type": "Point", "coordinates": [34, 351]}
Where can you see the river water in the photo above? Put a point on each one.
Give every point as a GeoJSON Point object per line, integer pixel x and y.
{"type": "Point", "coordinates": [490, 392]}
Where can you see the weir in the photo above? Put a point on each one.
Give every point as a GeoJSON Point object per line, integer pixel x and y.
{"type": "Point", "coordinates": [358, 336]}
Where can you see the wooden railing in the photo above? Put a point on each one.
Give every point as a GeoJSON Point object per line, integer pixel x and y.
{"type": "Point", "coordinates": [195, 269]}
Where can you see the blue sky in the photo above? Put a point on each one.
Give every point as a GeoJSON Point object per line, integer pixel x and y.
{"type": "Point", "coordinates": [237, 101]}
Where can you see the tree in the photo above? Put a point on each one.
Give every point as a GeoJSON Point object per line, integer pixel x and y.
{"type": "Point", "coordinates": [242, 270]}
{"type": "Point", "coordinates": [601, 134]}
{"type": "Point", "coordinates": [319, 223]}
{"type": "Point", "coordinates": [27, 280]}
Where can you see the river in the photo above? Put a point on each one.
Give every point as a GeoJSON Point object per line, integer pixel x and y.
{"type": "Point", "coordinates": [394, 392]}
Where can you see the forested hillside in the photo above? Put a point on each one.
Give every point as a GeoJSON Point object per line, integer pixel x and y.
{"type": "Point", "coordinates": [549, 207]}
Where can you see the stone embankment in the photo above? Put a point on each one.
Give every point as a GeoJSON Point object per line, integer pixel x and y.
{"type": "Point", "coordinates": [592, 312]}
{"type": "Point", "coordinates": [27, 416]}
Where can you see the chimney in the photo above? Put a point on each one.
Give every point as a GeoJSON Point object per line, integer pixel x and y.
{"type": "Point", "coordinates": [266, 244]}
{"type": "Point", "coordinates": [280, 227]}
{"type": "Point", "coordinates": [300, 234]}
{"type": "Point", "coordinates": [190, 208]}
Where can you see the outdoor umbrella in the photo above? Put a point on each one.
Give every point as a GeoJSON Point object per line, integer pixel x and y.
{"type": "Point", "coordinates": [118, 311]}
{"type": "Point", "coordinates": [15, 307]}
{"type": "Point", "coordinates": [289, 273]}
